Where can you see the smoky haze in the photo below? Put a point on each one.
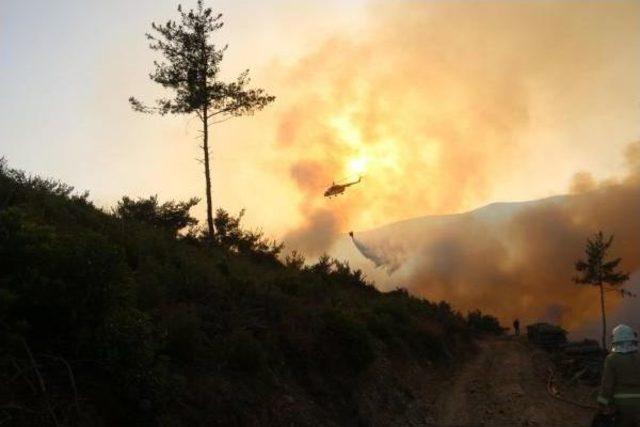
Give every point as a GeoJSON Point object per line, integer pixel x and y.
{"type": "Point", "coordinates": [445, 106]}
{"type": "Point", "coordinates": [517, 259]}
{"type": "Point", "coordinates": [388, 257]}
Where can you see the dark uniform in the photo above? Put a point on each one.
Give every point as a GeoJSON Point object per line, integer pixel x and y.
{"type": "Point", "coordinates": [621, 387]}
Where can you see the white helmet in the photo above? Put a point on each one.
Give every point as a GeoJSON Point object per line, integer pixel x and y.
{"type": "Point", "coordinates": [622, 333]}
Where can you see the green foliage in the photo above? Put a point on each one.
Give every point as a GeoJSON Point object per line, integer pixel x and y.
{"type": "Point", "coordinates": [231, 237]}
{"type": "Point", "coordinates": [155, 326]}
{"type": "Point", "coordinates": [295, 260]}
{"type": "Point", "coordinates": [192, 69]}
{"type": "Point", "coordinates": [410, 325]}
{"type": "Point", "coordinates": [596, 270]}
{"type": "Point", "coordinates": [245, 353]}
{"type": "Point", "coordinates": [183, 326]}
{"type": "Point", "coordinates": [171, 216]}
{"type": "Point", "coordinates": [347, 341]}
{"type": "Point", "coordinates": [484, 323]}
{"type": "Point", "coordinates": [127, 344]}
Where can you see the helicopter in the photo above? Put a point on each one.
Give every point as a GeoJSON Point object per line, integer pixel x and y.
{"type": "Point", "coordinates": [337, 189]}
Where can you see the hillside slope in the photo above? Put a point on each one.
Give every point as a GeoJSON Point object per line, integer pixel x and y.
{"type": "Point", "coordinates": [403, 239]}
{"type": "Point", "coordinates": [116, 319]}
{"type": "Point", "coordinates": [515, 260]}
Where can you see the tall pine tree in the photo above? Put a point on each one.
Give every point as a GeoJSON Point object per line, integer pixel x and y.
{"type": "Point", "coordinates": [596, 270]}
{"type": "Point", "coordinates": [191, 70]}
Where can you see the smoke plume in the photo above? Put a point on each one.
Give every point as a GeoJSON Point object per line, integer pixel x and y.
{"type": "Point", "coordinates": [434, 103]}
{"type": "Point", "coordinates": [517, 260]}
{"type": "Point", "coordinates": [382, 255]}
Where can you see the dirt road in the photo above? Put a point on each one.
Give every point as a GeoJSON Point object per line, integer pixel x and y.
{"type": "Point", "coordinates": [504, 385]}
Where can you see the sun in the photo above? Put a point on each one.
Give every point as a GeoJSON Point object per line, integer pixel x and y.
{"type": "Point", "coordinates": [357, 165]}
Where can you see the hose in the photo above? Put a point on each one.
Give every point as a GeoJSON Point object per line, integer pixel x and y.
{"type": "Point", "coordinates": [553, 392]}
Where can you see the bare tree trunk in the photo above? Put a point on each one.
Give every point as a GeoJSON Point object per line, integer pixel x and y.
{"type": "Point", "coordinates": [207, 173]}
{"type": "Point", "coordinates": [604, 318]}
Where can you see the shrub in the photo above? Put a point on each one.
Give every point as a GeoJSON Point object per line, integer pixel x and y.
{"type": "Point", "coordinates": [348, 339]}
{"type": "Point", "coordinates": [184, 334]}
{"type": "Point", "coordinates": [484, 323]}
{"type": "Point", "coordinates": [160, 326]}
{"type": "Point", "coordinates": [245, 353]}
{"type": "Point", "coordinates": [171, 216]}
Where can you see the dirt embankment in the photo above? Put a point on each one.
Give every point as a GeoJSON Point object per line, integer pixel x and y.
{"type": "Point", "coordinates": [504, 385]}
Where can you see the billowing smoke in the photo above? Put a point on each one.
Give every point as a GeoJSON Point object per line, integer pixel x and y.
{"type": "Point", "coordinates": [320, 224]}
{"type": "Point", "coordinates": [444, 106]}
{"type": "Point", "coordinates": [381, 255]}
{"type": "Point", "coordinates": [626, 312]}
{"type": "Point", "coordinates": [436, 103]}
{"type": "Point", "coordinates": [517, 260]}
{"type": "Point", "coordinates": [582, 182]}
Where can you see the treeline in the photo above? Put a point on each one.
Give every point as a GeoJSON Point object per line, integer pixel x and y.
{"type": "Point", "coordinates": [134, 317]}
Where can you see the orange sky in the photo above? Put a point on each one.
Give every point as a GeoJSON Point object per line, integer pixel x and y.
{"type": "Point", "coordinates": [446, 106]}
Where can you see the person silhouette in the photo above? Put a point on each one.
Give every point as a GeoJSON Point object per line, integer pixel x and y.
{"type": "Point", "coordinates": [516, 327]}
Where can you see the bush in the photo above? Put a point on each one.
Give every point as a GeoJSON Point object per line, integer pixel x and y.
{"type": "Point", "coordinates": [245, 353]}
{"type": "Point", "coordinates": [158, 326]}
{"type": "Point", "coordinates": [170, 216]}
{"type": "Point", "coordinates": [484, 323]}
{"type": "Point", "coordinates": [348, 339]}
{"type": "Point", "coordinates": [184, 334]}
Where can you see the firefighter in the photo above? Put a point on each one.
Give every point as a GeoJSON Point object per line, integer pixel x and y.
{"type": "Point", "coordinates": [620, 390]}
{"type": "Point", "coordinates": [516, 327]}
